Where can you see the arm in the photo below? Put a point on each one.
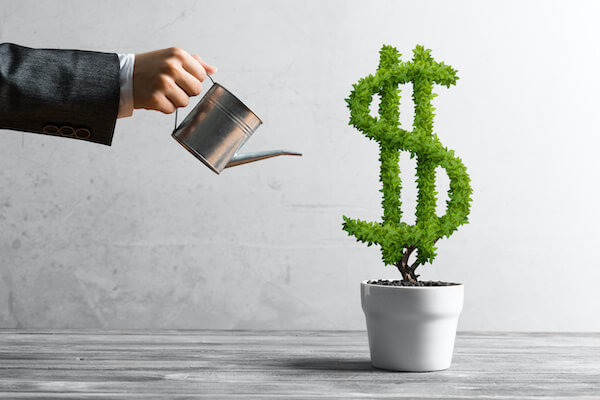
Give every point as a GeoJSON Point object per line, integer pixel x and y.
{"type": "Point", "coordinates": [77, 94]}
{"type": "Point", "coordinates": [70, 93]}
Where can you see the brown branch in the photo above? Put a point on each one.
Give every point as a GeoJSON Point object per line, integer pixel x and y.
{"type": "Point", "coordinates": [414, 265]}
{"type": "Point", "coordinates": [404, 268]}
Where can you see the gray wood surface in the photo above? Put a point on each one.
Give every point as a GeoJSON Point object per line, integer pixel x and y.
{"type": "Point", "coordinates": [281, 365]}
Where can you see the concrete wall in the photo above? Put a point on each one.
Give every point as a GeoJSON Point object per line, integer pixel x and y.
{"type": "Point", "coordinates": [141, 235]}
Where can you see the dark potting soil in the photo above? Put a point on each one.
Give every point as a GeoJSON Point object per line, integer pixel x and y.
{"type": "Point", "coordinates": [386, 282]}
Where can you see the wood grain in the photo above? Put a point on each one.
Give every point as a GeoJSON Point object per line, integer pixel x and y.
{"type": "Point", "coordinates": [52, 364]}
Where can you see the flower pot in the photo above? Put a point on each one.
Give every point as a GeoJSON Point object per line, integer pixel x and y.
{"type": "Point", "coordinates": [411, 328]}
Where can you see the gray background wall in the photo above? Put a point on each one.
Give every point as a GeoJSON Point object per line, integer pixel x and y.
{"type": "Point", "coordinates": [141, 235]}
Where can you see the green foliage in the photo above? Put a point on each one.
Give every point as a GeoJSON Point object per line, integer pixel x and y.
{"type": "Point", "coordinates": [394, 236]}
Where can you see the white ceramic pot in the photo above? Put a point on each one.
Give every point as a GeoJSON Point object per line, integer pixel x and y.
{"type": "Point", "coordinates": [411, 328]}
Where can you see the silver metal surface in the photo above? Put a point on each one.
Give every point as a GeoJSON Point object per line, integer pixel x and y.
{"type": "Point", "coordinates": [239, 159]}
{"type": "Point", "coordinates": [217, 127]}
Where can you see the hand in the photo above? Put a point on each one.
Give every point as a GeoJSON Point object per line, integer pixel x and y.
{"type": "Point", "coordinates": [166, 79]}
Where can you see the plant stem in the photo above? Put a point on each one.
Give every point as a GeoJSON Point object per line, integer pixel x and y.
{"type": "Point", "coordinates": [407, 271]}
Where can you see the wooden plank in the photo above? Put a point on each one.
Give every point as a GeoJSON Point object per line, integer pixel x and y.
{"type": "Point", "coordinates": [65, 364]}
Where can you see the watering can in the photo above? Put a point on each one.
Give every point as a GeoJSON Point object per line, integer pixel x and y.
{"type": "Point", "coordinates": [217, 128]}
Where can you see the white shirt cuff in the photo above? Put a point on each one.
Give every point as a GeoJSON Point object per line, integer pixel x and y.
{"type": "Point", "coordinates": [126, 62]}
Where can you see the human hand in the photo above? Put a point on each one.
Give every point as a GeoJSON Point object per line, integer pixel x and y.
{"type": "Point", "coordinates": [166, 79]}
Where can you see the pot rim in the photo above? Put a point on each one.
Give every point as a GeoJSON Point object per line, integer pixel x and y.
{"type": "Point", "coordinates": [454, 285]}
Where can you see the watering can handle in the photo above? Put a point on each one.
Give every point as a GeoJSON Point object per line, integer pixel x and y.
{"type": "Point", "coordinates": [175, 127]}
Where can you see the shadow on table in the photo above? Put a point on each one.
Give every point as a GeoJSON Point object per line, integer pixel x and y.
{"type": "Point", "coordinates": [329, 364]}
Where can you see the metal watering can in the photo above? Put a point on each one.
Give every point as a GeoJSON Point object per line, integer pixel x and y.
{"type": "Point", "coordinates": [216, 129]}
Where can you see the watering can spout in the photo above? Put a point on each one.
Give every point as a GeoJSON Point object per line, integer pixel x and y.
{"type": "Point", "coordinates": [239, 159]}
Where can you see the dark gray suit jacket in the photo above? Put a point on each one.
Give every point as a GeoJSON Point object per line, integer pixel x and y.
{"type": "Point", "coordinates": [70, 93]}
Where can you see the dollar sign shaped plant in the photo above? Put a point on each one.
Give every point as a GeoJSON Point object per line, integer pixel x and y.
{"type": "Point", "coordinates": [397, 239]}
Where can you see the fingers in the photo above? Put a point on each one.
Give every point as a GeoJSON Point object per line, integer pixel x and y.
{"type": "Point", "coordinates": [188, 83]}
{"type": "Point", "coordinates": [165, 79]}
{"type": "Point", "coordinates": [194, 67]}
{"type": "Point", "coordinates": [163, 105]}
{"type": "Point", "coordinates": [177, 96]}
{"type": "Point", "coordinates": [193, 73]}
{"type": "Point", "coordinates": [167, 99]}
{"type": "Point", "coordinates": [210, 69]}
{"type": "Point", "coordinates": [170, 98]}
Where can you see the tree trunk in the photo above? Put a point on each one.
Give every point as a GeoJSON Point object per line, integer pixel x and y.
{"type": "Point", "coordinates": [407, 271]}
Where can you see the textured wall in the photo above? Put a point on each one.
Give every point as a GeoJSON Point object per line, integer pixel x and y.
{"type": "Point", "coordinates": [142, 235]}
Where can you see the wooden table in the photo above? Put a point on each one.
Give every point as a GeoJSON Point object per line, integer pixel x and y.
{"type": "Point", "coordinates": [68, 364]}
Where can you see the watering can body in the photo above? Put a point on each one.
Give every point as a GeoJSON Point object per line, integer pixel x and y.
{"type": "Point", "coordinates": [217, 127]}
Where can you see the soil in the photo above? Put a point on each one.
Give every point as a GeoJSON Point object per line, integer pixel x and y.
{"type": "Point", "coordinates": [386, 282]}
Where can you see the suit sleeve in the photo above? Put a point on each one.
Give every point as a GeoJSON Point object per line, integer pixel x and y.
{"type": "Point", "coordinates": [70, 93]}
